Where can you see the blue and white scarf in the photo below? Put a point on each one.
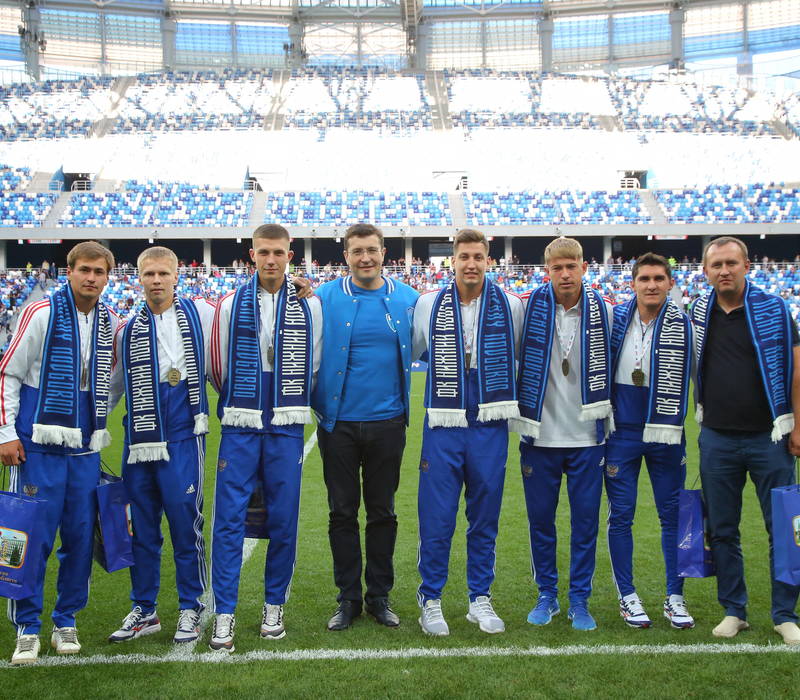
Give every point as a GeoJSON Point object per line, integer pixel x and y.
{"type": "Point", "coordinates": [534, 368]}
{"type": "Point", "coordinates": [146, 433]}
{"type": "Point", "coordinates": [293, 347]}
{"type": "Point", "coordinates": [56, 421]}
{"type": "Point", "coordinates": [445, 397]}
{"type": "Point", "coordinates": [769, 323]}
{"type": "Point", "coordinates": [670, 365]}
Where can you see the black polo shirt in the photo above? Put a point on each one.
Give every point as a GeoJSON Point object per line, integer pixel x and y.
{"type": "Point", "coordinates": [733, 391]}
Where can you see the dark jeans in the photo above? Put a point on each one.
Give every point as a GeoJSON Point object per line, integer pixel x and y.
{"type": "Point", "coordinates": [726, 458]}
{"type": "Point", "coordinates": [374, 450]}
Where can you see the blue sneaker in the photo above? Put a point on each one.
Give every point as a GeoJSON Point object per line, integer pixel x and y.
{"type": "Point", "coordinates": [581, 619]}
{"type": "Point", "coordinates": [546, 608]}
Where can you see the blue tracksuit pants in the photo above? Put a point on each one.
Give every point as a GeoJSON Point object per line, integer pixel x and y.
{"type": "Point", "coordinates": [666, 465]}
{"type": "Point", "coordinates": [174, 487]}
{"type": "Point", "coordinates": [542, 469]}
{"type": "Point", "coordinates": [67, 483]}
{"type": "Point", "coordinates": [244, 458]}
{"type": "Point", "coordinates": [475, 458]}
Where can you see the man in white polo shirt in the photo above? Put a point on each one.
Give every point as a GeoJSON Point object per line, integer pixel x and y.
{"type": "Point", "coordinates": [565, 407]}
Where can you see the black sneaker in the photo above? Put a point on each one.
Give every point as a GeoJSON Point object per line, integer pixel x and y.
{"type": "Point", "coordinates": [383, 614]}
{"type": "Point", "coordinates": [347, 611]}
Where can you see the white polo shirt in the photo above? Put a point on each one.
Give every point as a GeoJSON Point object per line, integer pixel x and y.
{"type": "Point", "coordinates": [561, 424]}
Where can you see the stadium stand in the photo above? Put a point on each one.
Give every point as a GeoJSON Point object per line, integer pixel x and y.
{"type": "Point", "coordinates": [521, 208]}
{"type": "Point", "coordinates": [25, 210]}
{"type": "Point", "coordinates": [757, 203]}
{"type": "Point", "coordinates": [341, 208]}
{"type": "Point", "coordinates": [158, 204]}
{"type": "Point", "coordinates": [14, 179]}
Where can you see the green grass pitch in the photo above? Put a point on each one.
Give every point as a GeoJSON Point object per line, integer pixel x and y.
{"type": "Point", "coordinates": [606, 674]}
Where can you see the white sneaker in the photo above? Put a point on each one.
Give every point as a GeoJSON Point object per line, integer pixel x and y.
{"type": "Point", "coordinates": [677, 614]}
{"type": "Point", "coordinates": [26, 651]}
{"type": "Point", "coordinates": [65, 640]}
{"type": "Point", "coordinates": [482, 612]}
{"type": "Point", "coordinates": [432, 620]}
{"type": "Point", "coordinates": [729, 627]}
{"type": "Point", "coordinates": [632, 611]}
{"type": "Point", "coordinates": [222, 636]}
{"type": "Point", "coordinates": [272, 622]}
{"type": "Point", "coordinates": [188, 626]}
{"type": "Point", "coordinates": [136, 624]}
{"type": "Point", "coordinates": [789, 631]}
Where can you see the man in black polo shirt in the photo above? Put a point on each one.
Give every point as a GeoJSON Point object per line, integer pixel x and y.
{"type": "Point", "coordinates": [748, 393]}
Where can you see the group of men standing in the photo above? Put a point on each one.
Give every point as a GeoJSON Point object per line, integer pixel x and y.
{"type": "Point", "coordinates": [591, 389]}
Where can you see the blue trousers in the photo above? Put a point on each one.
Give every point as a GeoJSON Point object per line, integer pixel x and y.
{"type": "Point", "coordinates": [475, 458]}
{"type": "Point", "coordinates": [67, 483]}
{"type": "Point", "coordinates": [666, 465]}
{"type": "Point", "coordinates": [174, 487]}
{"type": "Point", "coordinates": [542, 468]}
{"type": "Point", "coordinates": [726, 458]}
{"type": "Point", "coordinates": [244, 458]}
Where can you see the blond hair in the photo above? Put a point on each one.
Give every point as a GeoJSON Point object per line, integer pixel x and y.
{"type": "Point", "coordinates": [90, 250]}
{"type": "Point", "coordinates": [157, 252]}
{"type": "Point", "coordinates": [563, 247]}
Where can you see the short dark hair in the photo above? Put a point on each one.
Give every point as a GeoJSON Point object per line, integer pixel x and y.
{"type": "Point", "coordinates": [362, 231]}
{"type": "Point", "coordinates": [469, 235]}
{"type": "Point", "coordinates": [90, 250]}
{"type": "Point", "coordinates": [724, 240]}
{"type": "Point", "coordinates": [271, 231]}
{"type": "Point", "coordinates": [651, 259]}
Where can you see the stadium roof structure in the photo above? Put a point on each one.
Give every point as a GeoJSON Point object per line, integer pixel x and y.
{"type": "Point", "coordinates": [130, 36]}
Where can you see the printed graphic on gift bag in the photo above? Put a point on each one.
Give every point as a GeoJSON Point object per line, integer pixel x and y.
{"type": "Point", "coordinates": [129, 519]}
{"type": "Point", "coordinates": [13, 545]}
{"type": "Point", "coordinates": [796, 527]}
{"type": "Point", "coordinates": [255, 523]}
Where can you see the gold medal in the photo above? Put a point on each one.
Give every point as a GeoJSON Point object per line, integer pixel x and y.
{"type": "Point", "coordinates": [468, 362]}
{"type": "Point", "coordinates": [173, 376]}
{"type": "Point", "coordinates": [638, 377]}
{"type": "Point", "coordinates": [565, 366]}
{"type": "Point", "coordinates": [271, 355]}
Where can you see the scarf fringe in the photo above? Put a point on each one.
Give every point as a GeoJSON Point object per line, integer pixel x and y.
{"type": "Point", "coordinates": [447, 418]}
{"type": "Point", "coordinates": [200, 424]}
{"type": "Point", "coordinates": [698, 413]}
{"type": "Point", "coordinates": [783, 424]}
{"type": "Point", "coordinates": [291, 415]}
{"type": "Point", "coordinates": [525, 426]}
{"type": "Point", "coordinates": [610, 426]}
{"type": "Point", "coordinates": [100, 440]}
{"type": "Point", "coordinates": [242, 417]}
{"type": "Point", "coordinates": [499, 410]}
{"type": "Point", "coordinates": [665, 434]}
{"type": "Point", "coordinates": [598, 411]}
{"type": "Point", "coordinates": [148, 452]}
{"type": "Point", "coordinates": [57, 435]}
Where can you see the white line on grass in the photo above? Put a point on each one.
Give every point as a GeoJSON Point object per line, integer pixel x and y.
{"type": "Point", "coordinates": [184, 652]}
{"type": "Point", "coordinates": [419, 653]}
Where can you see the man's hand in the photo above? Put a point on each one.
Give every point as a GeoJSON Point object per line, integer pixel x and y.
{"type": "Point", "coordinates": [302, 286]}
{"type": "Point", "coordinates": [794, 441]}
{"type": "Point", "coordinates": [12, 453]}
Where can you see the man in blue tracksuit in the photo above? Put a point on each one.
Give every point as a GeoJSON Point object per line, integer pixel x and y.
{"type": "Point", "coordinates": [55, 454]}
{"type": "Point", "coordinates": [641, 327]}
{"type": "Point", "coordinates": [565, 407]}
{"type": "Point", "coordinates": [264, 352]}
{"type": "Point", "coordinates": [362, 403]}
{"type": "Point", "coordinates": [162, 350]}
{"type": "Point", "coordinates": [470, 333]}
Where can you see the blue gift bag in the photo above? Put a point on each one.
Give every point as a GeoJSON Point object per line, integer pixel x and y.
{"type": "Point", "coordinates": [255, 522]}
{"type": "Point", "coordinates": [694, 553]}
{"type": "Point", "coordinates": [113, 534]}
{"type": "Point", "coordinates": [21, 555]}
{"type": "Point", "coordinates": [786, 533]}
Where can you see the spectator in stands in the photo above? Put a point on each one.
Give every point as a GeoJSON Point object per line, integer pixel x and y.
{"type": "Point", "coordinates": [757, 433]}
